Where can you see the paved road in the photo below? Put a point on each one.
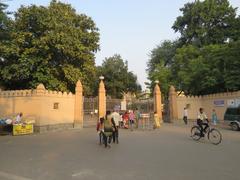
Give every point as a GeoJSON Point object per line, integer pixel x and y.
{"type": "Point", "coordinates": [167, 154]}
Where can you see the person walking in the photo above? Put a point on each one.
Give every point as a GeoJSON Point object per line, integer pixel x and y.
{"type": "Point", "coordinates": [214, 117]}
{"type": "Point", "coordinates": [125, 120]}
{"type": "Point", "coordinates": [185, 115]}
{"type": "Point", "coordinates": [107, 129]}
{"type": "Point", "coordinates": [131, 119]}
{"type": "Point", "coordinates": [137, 117]}
{"type": "Point", "coordinates": [117, 119]}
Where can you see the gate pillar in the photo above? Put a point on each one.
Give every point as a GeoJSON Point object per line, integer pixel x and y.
{"type": "Point", "coordinates": [158, 101]}
{"type": "Point", "coordinates": [101, 98]}
{"type": "Point", "coordinates": [78, 107]}
{"type": "Point", "coordinates": [173, 104]}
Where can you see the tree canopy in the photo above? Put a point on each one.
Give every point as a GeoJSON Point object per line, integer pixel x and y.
{"type": "Point", "coordinates": [160, 63]}
{"type": "Point", "coordinates": [207, 22]}
{"type": "Point", "coordinates": [4, 22]}
{"type": "Point", "coordinates": [118, 79]}
{"type": "Point", "coordinates": [206, 57]}
{"type": "Point", "coordinates": [51, 45]}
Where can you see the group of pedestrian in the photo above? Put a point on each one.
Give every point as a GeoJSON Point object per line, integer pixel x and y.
{"type": "Point", "coordinates": [214, 116]}
{"type": "Point", "coordinates": [128, 119]}
{"type": "Point", "coordinates": [108, 128]}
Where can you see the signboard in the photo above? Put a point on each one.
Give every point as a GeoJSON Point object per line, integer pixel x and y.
{"type": "Point", "coordinates": [123, 106]}
{"type": "Point", "coordinates": [145, 115]}
{"type": "Point", "coordinates": [219, 103]}
{"type": "Point", "coordinates": [19, 129]}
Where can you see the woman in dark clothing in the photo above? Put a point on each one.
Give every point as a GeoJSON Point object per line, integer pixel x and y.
{"type": "Point", "coordinates": [108, 129]}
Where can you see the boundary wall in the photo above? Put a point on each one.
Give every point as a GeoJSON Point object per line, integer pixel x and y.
{"type": "Point", "coordinates": [49, 109]}
{"type": "Point", "coordinates": [219, 102]}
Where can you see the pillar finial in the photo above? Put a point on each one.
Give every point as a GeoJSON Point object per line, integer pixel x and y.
{"type": "Point", "coordinates": [79, 87]}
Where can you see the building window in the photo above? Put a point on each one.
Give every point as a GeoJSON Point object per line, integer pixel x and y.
{"type": "Point", "coordinates": [55, 105]}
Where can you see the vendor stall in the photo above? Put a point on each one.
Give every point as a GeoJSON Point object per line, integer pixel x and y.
{"type": "Point", "coordinates": [22, 129]}
{"type": "Point", "coordinates": [8, 127]}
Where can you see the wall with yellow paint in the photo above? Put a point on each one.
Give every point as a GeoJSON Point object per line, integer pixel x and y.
{"type": "Point", "coordinates": [43, 106]}
{"type": "Point", "coordinates": [207, 102]}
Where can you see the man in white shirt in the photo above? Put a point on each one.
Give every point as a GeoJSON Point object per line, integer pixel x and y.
{"type": "Point", "coordinates": [117, 118]}
{"type": "Point", "coordinates": [202, 120]}
{"type": "Point", "coordinates": [18, 118]}
{"type": "Point", "coordinates": [185, 115]}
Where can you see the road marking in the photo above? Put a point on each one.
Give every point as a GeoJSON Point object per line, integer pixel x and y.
{"type": "Point", "coordinates": [84, 173]}
{"type": "Point", "coordinates": [11, 176]}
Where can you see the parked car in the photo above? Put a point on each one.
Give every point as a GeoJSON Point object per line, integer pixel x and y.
{"type": "Point", "coordinates": [232, 117]}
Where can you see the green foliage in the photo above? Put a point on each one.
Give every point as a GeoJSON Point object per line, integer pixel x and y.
{"type": "Point", "coordinates": [160, 63]}
{"type": "Point", "coordinates": [206, 58]}
{"type": "Point", "coordinates": [210, 69]}
{"type": "Point", "coordinates": [4, 22]}
{"type": "Point", "coordinates": [117, 77]}
{"type": "Point", "coordinates": [51, 45]}
{"type": "Point", "coordinates": [206, 22]}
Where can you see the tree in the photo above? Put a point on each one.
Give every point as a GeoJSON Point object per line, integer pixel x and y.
{"type": "Point", "coordinates": [206, 22]}
{"type": "Point", "coordinates": [205, 59]}
{"type": "Point", "coordinates": [51, 45]}
{"type": "Point", "coordinates": [4, 30]}
{"type": "Point", "coordinates": [4, 22]}
{"type": "Point", "coordinates": [231, 66]}
{"type": "Point", "coordinates": [160, 65]}
{"type": "Point", "coordinates": [118, 79]}
{"type": "Point", "coordinates": [211, 69]}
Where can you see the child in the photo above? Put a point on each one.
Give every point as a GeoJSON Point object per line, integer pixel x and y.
{"type": "Point", "coordinates": [100, 130]}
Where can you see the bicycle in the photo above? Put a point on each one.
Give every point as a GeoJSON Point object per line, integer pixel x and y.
{"type": "Point", "coordinates": [214, 135]}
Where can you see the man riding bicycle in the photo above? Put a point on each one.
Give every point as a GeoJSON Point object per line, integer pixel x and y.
{"type": "Point", "coordinates": [201, 121]}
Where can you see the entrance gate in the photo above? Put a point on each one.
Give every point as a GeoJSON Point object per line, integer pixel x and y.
{"type": "Point", "coordinates": [144, 105]}
{"type": "Point", "coordinates": [113, 104]}
{"type": "Point", "coordinates": [90, 115]}
{"type": "Point", "coordinates": [146, 109]}
{"type": "Point", "coordinates": [166, 111]}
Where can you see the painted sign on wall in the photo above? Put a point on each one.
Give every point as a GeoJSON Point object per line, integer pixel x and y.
{"type": "Point", "coordinates": [219, 103]}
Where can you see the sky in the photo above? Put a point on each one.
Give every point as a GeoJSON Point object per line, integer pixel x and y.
{"type": "Point", "coordinates": [131, 28]}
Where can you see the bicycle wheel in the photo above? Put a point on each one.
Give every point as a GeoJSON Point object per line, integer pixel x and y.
{"type": "Point", "coordinates": [214, 136]}
{"type": "Point", "coordinates": [195, 133]}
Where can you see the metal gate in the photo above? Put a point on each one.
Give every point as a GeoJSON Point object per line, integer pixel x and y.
{"type": "Point", "coordinates": [143, 106]}
{"type": "Point", "coordinates": [90, 109]}
{"type": "Point", "coordinates": [166, 111]}
{"type": "Point", "coordinates": [146, 109]}
{"type": "Point", "coordinates": [112, 104]}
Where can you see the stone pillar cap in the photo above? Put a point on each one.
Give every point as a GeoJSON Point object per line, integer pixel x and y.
{"type": "Point", "coordinates": [40, 87]}
{"type": "Point", "coordinates": [172, 88]}
{"type": "Point", "coordinates": [79, 84]}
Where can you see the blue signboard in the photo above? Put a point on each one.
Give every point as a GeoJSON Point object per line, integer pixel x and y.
{"type": "Point", "coordinates": [219, 103]}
